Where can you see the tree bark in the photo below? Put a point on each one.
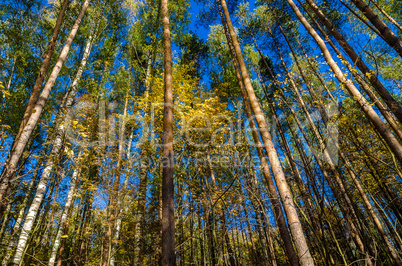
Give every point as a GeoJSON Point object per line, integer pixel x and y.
{"type": "Point", "coordinates": [392, 104]}
{"type": "Point", "coordinates": [9, 169]}
{"type": "Point", "coordinates": [120, 206]}
{"type": "Point", "coordinates": [276, 204]}
{"type": "Point", "coordinates": [386, 33]}
{"type": "Point", "coordinates": [67, 209]}
{"type": "Point", "coordinates": [57, 144]}
{"type": "Point", "coordinates": [368, 110]}
{"type": "Point", "coordinates": [168, 224]}
{"type": "Point", "coordinates": [42, 72]}
{"type": "Point", "coordinates": [393, 21]}
{"type": "Point", "coordinates": [299, 239]}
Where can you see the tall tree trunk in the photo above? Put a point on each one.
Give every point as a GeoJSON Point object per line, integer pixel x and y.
{"type": "Point", "coordinates": [341, 196]}
{"type": "Point", "coordinates": [278, 212]}
{"type": "Point", "coordinates": [216, 201]}
{"type": "Point", "coordinates": [254, 257]}
{"type": "Point", "coordinates": [67, 209]}
{"type": "Point", "coordinates": [57, 144]}
{"type": "Point", "coordinates": [113, 206]}
{"type": "Point", "coordinates": [20, 217]}
{"type": "Point", "coordinates": [368, 110]}
{"type": "Point", "coordinates": [393, 21]}
{"type": "Point", "coordinates": [256, 202]}
{"type": "Point", "coordinates": [386, 33]}
{"type": "Point", "coordinates": [294, 169]}
{"type": "Point", "coordinates": [125, 198]}
{"type": "Point", "coordinates": [348, 167]}
{"type": "Point", "coordinates": [9, 169]}
{"type": "Point", "coordinates": [299, 239]}
{"type": "Point", "coordinates": [168, 236]}
{"type": "Point", "coordinates": [43, 70]}
{"type": "Point", "coordinates": [392, 104]}
{"type": "Point", "coordinates": [142, 191]}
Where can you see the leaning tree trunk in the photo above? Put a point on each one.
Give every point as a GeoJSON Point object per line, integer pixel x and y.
{"type": "Point", "coordinates": [18, 221]}
{"type": "Point", "coordinates": [168, 237]}
{"type": "Point", "coordinates": [276, 204]}
{"type": "Point", "coordinates": [42, 72]}
{"type": "Point", "coordinates": [67, 209]}
{"type": "Point", "coordinates": [368, 110]}
{"type": "Point", "coordinates": [348, 209]}
{"type": "Point", "coordinates": [6, 177]}
{"type": "Point", "coordinates": [9, 168]}
{"type": "Point", "coordinates": [393, 21]}
{"type": "Point", "coordinates": [392, 104]}
{"type": "Point", "coordinates": [283, 188]}
{"type": "Point", "coordinates": [68, 104]}
{"type": "Point", "coordinates": [348, 166]}
{"type": "Point", "coordinates": [339, 192]}
{"type": "Point", "coordinates": [294, 169]}
{"type": "Point", "coordinates": [386, 33]}
{"type": "Point", "coordinates": [57, 144]}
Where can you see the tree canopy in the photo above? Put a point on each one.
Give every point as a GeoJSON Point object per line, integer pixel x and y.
{"type": "Point", "coordinates": [188, 132]}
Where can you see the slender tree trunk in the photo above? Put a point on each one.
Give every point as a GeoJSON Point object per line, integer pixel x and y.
{"type": "Point", "coordinates": [43, 70]}
{"type": "Point", "coordinates": [393, 21]}
{"type": "Point", "coordinates": [18, 221]}
{"type": "Point", "coordinates": [393, 200]}
{"type": "Point", "coordinates": [312, 220]}
{"type": "Point", "coordinates": [113, 208]}
{"type": "Point", "coordinates": [371, 211]}
{"type": "Point", "coordinates": [168, 237]}
{"type": "Point", "coordinates": [141, 207]}
{"type": "Point", "coordinates": [266, 242]}
{"type": "Point", "coordinates": [294, 169]}
{"type": "Point", "coordinates": [57, 144]}
{"type": "Point", "coordinates": [9, 169]}
{"type": "Point", "coordinates": [79, 246]}
{"type": "Point", "coordinates": [392, 104]}
{"type": "Point", "coordinates": [368, 110]}
{"type": "Point", "coordinates": [121, 206]}
{"type": "Point", "coordinates": [347, 207]}
{"type": "Point", "coordinates": [67, 208]}
{"type": "Point", "coordinates": [279, 216]}
{"type": "Point", "coordinates": [386, 33]}
{"type": "Point", "coordinates": [217, 202]}
{"type": "Point", "coordinates": [142, 191]}
{"type": "Point", "coordinates": [284, 191]}
{"type": "Point", "coordinates": [64, 240]}
{"type": "Point", "coordinates": [254, 258]}
{"type": "Point", "coordinates": [40, 193]}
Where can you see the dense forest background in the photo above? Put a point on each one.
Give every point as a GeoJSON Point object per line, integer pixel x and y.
{"type": "Point", "coordinates": [202, 132]}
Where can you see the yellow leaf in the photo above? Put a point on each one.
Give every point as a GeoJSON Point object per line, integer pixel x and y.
{"type": "Point", "coordinates": [65, 236]}
{"type": "Point", "coordinates": [5, 92]}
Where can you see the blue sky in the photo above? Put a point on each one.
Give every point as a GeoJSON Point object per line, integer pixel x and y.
{"type": "Point", "coordinates": [202, 32]}
{"type": "Point", "coordinates": [195, 8]}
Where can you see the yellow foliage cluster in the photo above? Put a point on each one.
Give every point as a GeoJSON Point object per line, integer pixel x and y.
{"type": "Point", "coordinates": [200, 116]}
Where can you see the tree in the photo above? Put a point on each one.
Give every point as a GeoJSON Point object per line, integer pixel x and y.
{"type": "Point", "coordinates": [168, 224]}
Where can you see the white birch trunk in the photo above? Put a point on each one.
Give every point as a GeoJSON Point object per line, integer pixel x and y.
{"type": "Point", "coordinates": [57, 143]}
{"type": "Point", "coordinates": [64, 216]}
{"type": "Point", "coordinates": [19, 146]}
{"type": "Point", "coordinates": [18, 223]}
{"type": "Point", "coordinates": [74, 181]}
